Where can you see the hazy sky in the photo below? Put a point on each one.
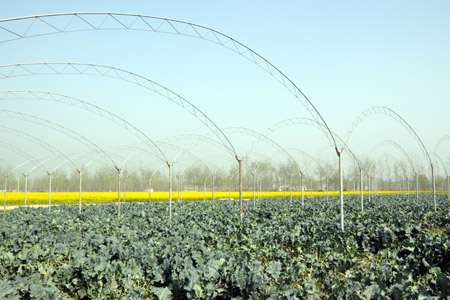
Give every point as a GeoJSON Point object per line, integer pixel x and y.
{"type": "Point", "coordinates": [346, 56]}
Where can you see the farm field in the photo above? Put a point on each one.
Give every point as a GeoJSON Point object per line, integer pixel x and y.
{"type": "Point", "coordinates": [33, 198]}
{"type": "Point", "coordinates": [396, 249]}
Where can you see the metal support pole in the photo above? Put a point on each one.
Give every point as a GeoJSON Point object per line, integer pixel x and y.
{"type": "Point", "coordinates": [49, 190]}
{"type": "Point", "coordinates": [181, 190]}
{"type": "Point", "coordinates": [240, 191]}
{"type": "Point", "coordinates": [362, 188]}
{"type": "Point", "coordinates": [26, 188]}
{"type": "Point", "coordinates": [341, 188]}
{"type": "Point", "coordinates": [170, 190]}
{"type": "Point", "coordinates": [407, 185]}
{"type": "Point", "coordinates": [178, 189]}
{"type": "Point", "coordinates": [327, 188]}
{"type": "Point", "coordinates": [79, 192]}
{"type": "Point", "coordinates": [254, 188]}
{"type": "Point", "coordinates": [290, 187]}
{"type": "Point", "coordinates": [303, 189]}
{"type": "Point", "coordinates": [204, 191]}
{"type": "Point", "coordinates": [150, 190]}
{"type": "Point", "coordinates": [118, 192]}
{"type": "Point", "coordinates": [434, 188]}
{"type": "Point", "coordinates": [417, 186]}
{"type": "Point", "coordinates": [368, 187]}
{"type": "Point", "coordinates": [18, 184]}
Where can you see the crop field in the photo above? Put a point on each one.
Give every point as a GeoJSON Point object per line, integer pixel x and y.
{"type": "Point", "coordinates": [57, 198]}
{"type": "Point", "coordinates": [396, 249]}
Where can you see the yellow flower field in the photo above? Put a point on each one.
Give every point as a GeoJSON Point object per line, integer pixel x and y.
{"type": "Point", "coordinates": [14, 199]}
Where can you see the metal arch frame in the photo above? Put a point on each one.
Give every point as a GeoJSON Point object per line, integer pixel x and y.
{"type": "Point", "coordinates": [254, 133]}
{"type": "Point", "coordinates": [391, 113]}
{"type": "Point", "coordinates": [313, 159]}
{"type": "Point", "coordinates": [39, 141]}
{"type": "Point", "coordinates": [311, 122]}
{"type": "Point", "coordinates": [183, 150]}
{"type": "Point", "coordinates": [175, 27]}
{"type": "Point", "coordinates": [21, 153]}
{"type": "Point", "coordinates": [42, 143]}
{"type": "Point", "coordinates": [400, 165]}
{"type": "Point", "coordinates": [54, 126]}
{"type": "Point", "coordinates": [253, 173]}
{"type": "Point", "coordinates": [398, 147]}
{"type": "Point", "coordinates": [64, 130]}
{"type": "Point", "coordinates": [445, 170]}
{"type": "Point", "coordinates": [70, 68]}
{"type": "Point", "coordinates": [135, 79]}
{"type": "Point", "coordinates": [195, 143]}
{"type": "Point", "coordinates": [64, 99]}
{"type": "Point", "coordinates": [243, 130]}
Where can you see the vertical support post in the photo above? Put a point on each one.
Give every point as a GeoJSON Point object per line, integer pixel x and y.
{"type": "Point", "coordinates": [417, 187]}
{"type": "Point", "coordinates": [181, 190]}
{"type": "Point", "coordinates": [170, 190]}
{"type": "Point", "coordinates": [434, 188]}
{"type": "Point", "coordinates": [303, 189]}
{"type": "Point", "coordinates": [407, 185]}
{"type": "Point", "coordinates": [341, 188]}
{"type": "Point", "coordinates": [204, 190]}
{"type": "Point", "coordinates": [26, 187]}
{"type": "Point", "coordinates": [178, 188]}
{"type": "Point", "coordinates": [79, 192]}
{"type": "Point", "coordinates": [150, 190]}
{"type": "Point", "coordinates": [368, 186]}
{"type": "Point", "coordinates": [118, 192]}
{"type": "Point", "coordinates": [362, 188]}
{"type": "Point", "coordinates": [290, 187]}
{"type": "Point", "coordinates": [240, 191]}
{"type": "Point", "coordinates": [18, 184]}
{"type": "Point", "coordinates": [254, 188]}
{"type": "Point", "coordinates": [49, 190]}
{"type": "Point", "coordinates": [327, 188]}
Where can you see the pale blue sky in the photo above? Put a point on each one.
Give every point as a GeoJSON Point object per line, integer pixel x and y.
{"type": "Point", "coordinates": [345, 56]}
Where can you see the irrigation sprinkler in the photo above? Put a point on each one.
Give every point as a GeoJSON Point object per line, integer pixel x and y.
{"type": "Point", "coordinates": [389, 112]}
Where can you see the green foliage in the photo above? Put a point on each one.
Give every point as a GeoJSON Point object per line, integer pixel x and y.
{"type": "Point", "coordinates": [395, 249]}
